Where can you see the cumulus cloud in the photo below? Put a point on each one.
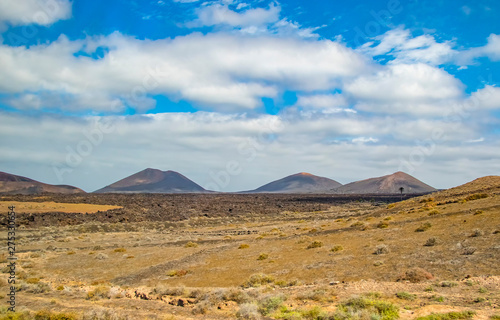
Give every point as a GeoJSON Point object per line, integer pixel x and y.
{"type": "Point", "coordinates": [200, 145]}
{"type": "Point", "coordinates": [40, 12]}
{"type": "Point", "coordinates": [192, 68]}
{"type": "Point", "coordinates": [406, 88]}
{"type": "Point", "coordinates": [400, 44]}
{"type": "Point", "coordinates": [221, 14]}
{"type": "Point", "coordinates": [491, 50]}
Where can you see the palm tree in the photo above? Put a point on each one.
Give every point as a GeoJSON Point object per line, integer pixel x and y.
{"type": "Point", "coordinates": [401, 189]}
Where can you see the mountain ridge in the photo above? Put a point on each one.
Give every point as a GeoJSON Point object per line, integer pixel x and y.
{"type": "Point", "coordinates": [153, 181]}
{"type": "Point", "coordinates": [387, 184]}
{"type": "Point", "coordinates": [15, 184]}
{"type": "Point", "coordinates": [302, 182]}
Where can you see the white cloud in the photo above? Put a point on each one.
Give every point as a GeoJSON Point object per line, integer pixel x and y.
{"type": "Point", "coordinates": [191, 67]}
{"type": "Point", "coordinates": [490, 50]}
{"type": "Point", "coordinates": [200, 145]}
{"type": "Point", "coordinates": [406, 88]}
{"type": "Point", "coordinates": [487, 98]}
{"type": "Point", "coordinates": [219, 14]}
{"type": "Point", "coordinates": [324, 101]}
{"type": "Point", "coordinates": [400, 44]}
{"type": "Point", "coordinates": [40, 12]}
{"type": "Point", "coordinates": [364, 140]}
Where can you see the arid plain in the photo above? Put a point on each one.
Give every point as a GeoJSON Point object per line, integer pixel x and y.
{"type": "Point", "coordinates": [258, 256]}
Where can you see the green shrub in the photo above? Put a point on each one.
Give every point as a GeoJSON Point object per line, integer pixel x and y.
{"type": "Point", "coordinates": [406, 296]}
{"type": "Point", "coordinates": [363, 308]}
{"type": "Point", "coordinates": [448, 284]}
{"type": "Point", "coordinates": [49, 315]}
{"type": "Point", "coordinates": [449, 316]}
{"type": "Point", "coordinates": [270, 303]}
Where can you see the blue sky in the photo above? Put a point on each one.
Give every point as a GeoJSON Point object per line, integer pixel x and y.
{"type": "Point", "coordinates": [234, 94]}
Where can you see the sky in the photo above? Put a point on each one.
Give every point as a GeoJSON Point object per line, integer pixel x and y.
{"type": "Point", "coordinates": [234, 94]}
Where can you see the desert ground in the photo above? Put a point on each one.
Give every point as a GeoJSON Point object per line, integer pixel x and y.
{"type": "Point", "coordinates": [218, 256]}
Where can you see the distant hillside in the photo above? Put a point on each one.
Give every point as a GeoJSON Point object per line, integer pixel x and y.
{"type": "Point", "coordinates": [13, 184]}
{"type": "Point", "coordinates": [299, 183]}
{"type": "Point", "coordinates": [153, 181]}
{"type": "Point", "coordinates": [387, 184]}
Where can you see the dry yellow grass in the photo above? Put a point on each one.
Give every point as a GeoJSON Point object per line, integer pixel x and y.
{"type": "Point", "coordinates": [39, 207]}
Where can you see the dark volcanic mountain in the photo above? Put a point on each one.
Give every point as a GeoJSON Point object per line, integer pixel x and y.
{"type": "Point", "coordinates": [299, 183]}
{"type": "Point", "coordinates": [387, 184]}
{"type": "Point", "coordinates": [12, 184]}
{"type": "Point", "coordinates": [153, 181]}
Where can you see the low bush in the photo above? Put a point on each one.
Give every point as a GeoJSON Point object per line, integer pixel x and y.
{"type": "Point", "coordinates": [415, 275]}
{"type": "Point", "coordinates": [406, 296]}
{"type": "Point", "coordinates": [363, 308]}
{"type": "Point", "coordinates": [315, 244]}
{"type": "Point", "coordinates": [381, 249]}
{"type": "Point", "coordinates": [426, 226]}
{"type": "Point", "coordinates": [449, 316]}
{"type": "Point", "coordinates": [430, 242]}
{"type": "Point", "coordinates": [257, 280]}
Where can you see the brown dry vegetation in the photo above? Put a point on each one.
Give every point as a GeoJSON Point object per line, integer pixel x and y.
{"type": "Point", "coordinates": [196, 268]}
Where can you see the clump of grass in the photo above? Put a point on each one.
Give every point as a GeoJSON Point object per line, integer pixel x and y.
{"type": "Point", "coordinates": [426, 226]}
{"type": "Point", "coordinates": [427, 200]}
{"type": "Point", "coordinates": [120, 250]}
{"type": "Point", "coordinates": [495, 317]}
{"type": "Point", "coordinates": [98, 293]}
{"type": "Point", "coordinates": [248, 311]}
{"type": "Point", "coordinates": [406, 296]}
{"type": "Point", "coordinates": [449, 316]}
{"type": "Point", "coordinates": [382, 225]}
{"type": "Point", "coordinates": [448, 284]}
{"type": "Point", "coordinates": [483, 290]}
{"type": "Point", "coordinates": [283, 283]}
{"type": "Point", "coordinates": [263, 256]}
{"type": "Point", "coordinates": [32, 280]}
{"type": "Point", "coordinates": [381, 249]}
{"type": "Point", "coordinates": [430, 242]}
{"type": "Point", "coordinates": [476, 196]}
{"type": "Point", "coordinates": [390, 206]}
{"type": "Point", "coordinates": [70, 253]}
{"type": "Point", "coordinates": [50, 315]}
{"type": "Point", "coordinates": [337, 248]}
{"type": "Point", "coordinates": [190, 244]}
{"type": "Point", "coordinates": [363, 308]}
{"type": "Point", "coordinates": [433, 212]}
{"type": "Point", "coordinates": [378, 263]}
{"type": "Point", "coordinates": [243, 246]}
{"type": "Point", "coordinates": [177, 273]}
{"type": "Point", "coordinates": [270, 303]}
{"type": "Point", "coordinates": [257, 280]}
{"type": "Point", "coordinates": [315, 244]}
{"type": "Point", "coordinates": [478, 212]}
{"type": "Point", "coordinates": [415, 275]}
{"type": "Point", "coordinates": [314, 295]}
